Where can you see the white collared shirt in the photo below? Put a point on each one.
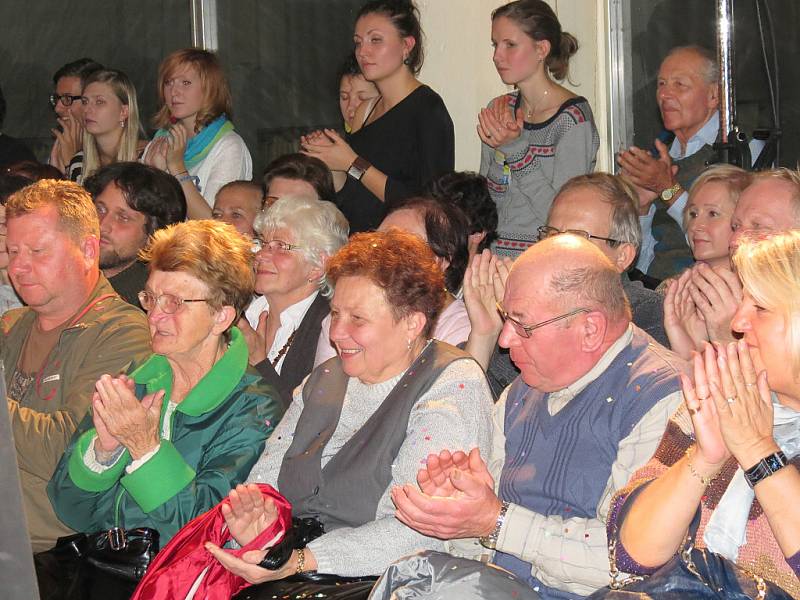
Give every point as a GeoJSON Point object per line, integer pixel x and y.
{"type": "Point", "coordinates": [290, 321]}
{"type": "Point", "coordinates": [705, 136]}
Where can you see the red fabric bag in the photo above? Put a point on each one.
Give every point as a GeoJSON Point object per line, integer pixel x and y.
{"type": "Point", "coordinates": [179, 564]}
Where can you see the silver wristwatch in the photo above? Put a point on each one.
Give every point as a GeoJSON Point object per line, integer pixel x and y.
{"type": "Point", "coordinates": [490, 541]}
{"type": "Point", "coordinates": [358, 168]}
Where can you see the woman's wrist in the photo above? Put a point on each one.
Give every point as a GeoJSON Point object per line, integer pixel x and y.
{"type": "Point", "coordinates": [701, 469]}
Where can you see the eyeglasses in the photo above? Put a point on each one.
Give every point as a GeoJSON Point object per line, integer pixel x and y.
{"type": "Point", "coordinates": [66, 99]}
{"type": "Point", "coordinates": [166, 302]}
{"type": "Point", "coordinates": [523, 330]}
{"type": "Point", "coordinates": [545, 231]}
{"type": "Point", "coordinates": [278, 246]}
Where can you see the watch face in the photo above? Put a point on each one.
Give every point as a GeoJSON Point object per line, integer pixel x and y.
{"type": "Point", "coordinates": [667, 195]}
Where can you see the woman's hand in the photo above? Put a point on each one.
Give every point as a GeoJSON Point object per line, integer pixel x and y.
{"type": "Point", "coordinates": [717, 294]}
{"type": "Point", "coordinates": [157, 153]}
{"type": "Point", "coordinates": [711, 449]}
{"type": "Point", "coordinates": [176, 146]}
{"type": "Point", "coordinates": [256, 338]}
{"type": "Point", "coordinates": [331, 149]}
{"type": "Point", "coordinates": [106, 443]}
{"type": "Point", "coordinates": [132, 423]}
{"type": "Point", "coordinates": [247, 567]}
{"type": "Point", "coordinates": [497, 125]}
{"type": "Point", "coordinates": [248, 514]}
{"type": "Point", "coordinates": [483, 287]}
{"type": "Point", "coordinates": [685, 327]}
{"type": "Point", "coordinates": [744, 405]}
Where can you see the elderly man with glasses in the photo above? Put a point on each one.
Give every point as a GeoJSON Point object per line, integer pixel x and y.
{"type": "Point", "coordinates": [601, 208]}
{"type": "Point", "coordinates": [588, 409]}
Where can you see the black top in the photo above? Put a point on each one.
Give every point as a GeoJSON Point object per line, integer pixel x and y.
{"type": "Point", "coordinates": [411, 144]}
{"type": "Point", "coordinates": [13, 150]}
{"type": "Point", "coordinates": [130, 282]}
{"type": "Point", "coordinates": [299, 359]}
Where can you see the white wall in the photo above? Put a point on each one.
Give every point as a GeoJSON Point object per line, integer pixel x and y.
{"type": "Point", "coordinates": [458, 63]}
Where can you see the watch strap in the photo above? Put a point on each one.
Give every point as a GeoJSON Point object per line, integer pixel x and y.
{"type": "Point", "coordinates": [765, 467]}
{"type": "Point", "coordinates": [358, 168]}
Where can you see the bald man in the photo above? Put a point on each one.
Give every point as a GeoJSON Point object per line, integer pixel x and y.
{"type": "Point", "coordinates": [588, 409]}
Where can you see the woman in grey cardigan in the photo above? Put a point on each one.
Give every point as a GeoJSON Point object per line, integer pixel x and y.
{"type": "Point", "coordinates": [365, 420]}
{"type": "Point", "coordinates": [538, 136]}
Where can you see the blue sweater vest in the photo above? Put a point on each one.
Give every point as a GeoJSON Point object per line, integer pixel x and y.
{"type": "Point", "coordinates": [560, 464]}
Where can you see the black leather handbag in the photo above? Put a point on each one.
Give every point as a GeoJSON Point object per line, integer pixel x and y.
{"type": "Point", "coordinates": [106, 565]}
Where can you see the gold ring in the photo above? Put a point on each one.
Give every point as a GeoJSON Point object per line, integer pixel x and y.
{"type": "Point", "coordinates": [730, 400]}
{"type": "Point", "coordinates": [694, 411]}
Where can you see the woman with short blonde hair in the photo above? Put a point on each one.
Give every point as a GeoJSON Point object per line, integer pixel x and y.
{"type": "Point", "coordinates": [728, 461]}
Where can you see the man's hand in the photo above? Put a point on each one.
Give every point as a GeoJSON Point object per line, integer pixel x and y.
{"type": "Point", "coordinates": [470, 509]}
{"type": "Point", "coordinates": [644, 171]}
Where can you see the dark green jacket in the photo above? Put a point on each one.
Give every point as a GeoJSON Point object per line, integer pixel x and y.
{"type": "Point", "coordinates": [218, 433]}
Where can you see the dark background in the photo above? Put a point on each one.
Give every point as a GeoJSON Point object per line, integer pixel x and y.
{"type": "Point", "coordinates": [658, 25]}
{"type": "Point", "coordinates": [281, 58]}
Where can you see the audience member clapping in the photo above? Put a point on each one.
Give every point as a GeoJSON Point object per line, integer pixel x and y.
{"type": "Point", "coordinates": [407, 137]}
{"type": "Point", "coordinates": [238, 203]}
{"type": "Point", "coordinates": [707, 221]}
{"type": "Point", "coordinates": [192, 417]}
{"type": "Point", "coordinates": [297, 236]}
{"type": "Point", "coordinates": [708, 298]}
{"type": "Point", "coordinates": [196, 141]}
{"type": "Point", "coordinates": [729, 455]}
{"type": "Point", "coordinates": [363, 422]}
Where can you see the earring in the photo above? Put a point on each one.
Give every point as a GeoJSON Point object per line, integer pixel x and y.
{"type": "Point", "coordinates": [406, 61]}
{"type": "Point", "coordinates": [409, 344]}
{"type": "Point", "coordinates": [122, 124]}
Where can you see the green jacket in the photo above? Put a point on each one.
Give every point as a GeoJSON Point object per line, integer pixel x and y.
{"type": "Point", "coordinates": [107, 335]}
{"type": "Point", "coordinates": [217, 434]}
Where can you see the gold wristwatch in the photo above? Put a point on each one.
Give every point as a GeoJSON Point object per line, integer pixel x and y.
{"type": "Point", "coordinates": [671, 194]}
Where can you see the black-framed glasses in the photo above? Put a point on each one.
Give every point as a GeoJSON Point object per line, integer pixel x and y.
{"type": "Point", "coordinates": [168, 303]}
{"type": "Point", "coordinates": [545, 231]}
{"type": "Point", "coordinates": [523, 330]}
{"type": "Point", "coordinates": [278, 246]}
{"type": "Point", "coordinates": [65, 99]}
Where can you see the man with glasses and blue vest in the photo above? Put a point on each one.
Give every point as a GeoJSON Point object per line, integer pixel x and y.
{"type": "Point", "coordinates": [590, 405]}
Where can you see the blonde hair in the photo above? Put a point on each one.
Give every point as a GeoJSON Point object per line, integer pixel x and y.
{"type": "Point", "coordinates": [77, 215]}
{"type": "Point", "coordinates": [213, 252]}
{"type": "Point", "coordinates": [128, 150]}
{"type": "Point", "coordinates": [216, 91]}
{"type": "Point", "coordinates": [733, 178]}
{"type": "Point", "coordinates": [769, 268]}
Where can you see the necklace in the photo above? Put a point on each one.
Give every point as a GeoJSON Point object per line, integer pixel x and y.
{"type": "Point", "coordinates": [533, 109]}
{"type": "Point", "coordinates": [283, 350]}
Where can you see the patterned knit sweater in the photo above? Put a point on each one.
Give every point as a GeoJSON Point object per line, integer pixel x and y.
{"type": "Point", "coordinates": [760, 555]}
{"type": "Point", "coordinates": [525, 174]}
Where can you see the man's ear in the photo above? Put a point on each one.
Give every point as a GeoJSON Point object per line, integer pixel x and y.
{"type": "Point", "coordinates": [626, 253]}
{"type": "Point", "coordinates": [594, 331]}
{"type": "Point", "coordinates": [90, 249]}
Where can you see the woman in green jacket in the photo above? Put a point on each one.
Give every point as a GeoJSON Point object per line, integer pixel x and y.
{"type": "Point", "coordinates": [166, 442]}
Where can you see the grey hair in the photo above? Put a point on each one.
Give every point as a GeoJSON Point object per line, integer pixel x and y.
{"type": "Point", "coordinates": [319, 228]}
{"type": "Point", "coordinates": [594, 287]}
{"type": "Point", "coordinates": [711, 71]}
{"type": "Point", "coordinates": [616, 191]}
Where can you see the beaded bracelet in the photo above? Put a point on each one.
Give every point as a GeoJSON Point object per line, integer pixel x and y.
{"type": "Point", "coordinates": [706, 481]}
